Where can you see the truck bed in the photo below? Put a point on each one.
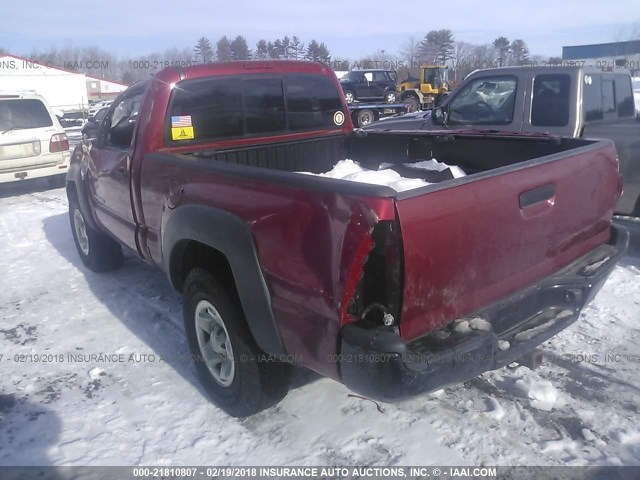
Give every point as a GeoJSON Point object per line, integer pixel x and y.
{"type": "Point", "coordinates": [471, 152]}
{"type": "Point", "coordinates": [528, 207]}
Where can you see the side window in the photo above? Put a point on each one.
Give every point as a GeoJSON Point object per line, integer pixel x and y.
{"type": "Point", "coordinates": [208, 108]}
{"type": "Point", "coordinates": [368, 76]}
{"type": "Point", "coordinates": [123, 120]}
{"type": "Point", "coordinates": [592, 98]}
{"type": "Point", "coordinates": [263, 105]}
{"type": "Point", "coordinates": [312, 102]}
{"type": "Point", "coordinates": [380, 77]}
{"type": "Point", "coordinates": [486, 100]}
{"type": "Point", "coordinates": [550, 103]}
{"type": "Point", "coordinates": [608, 96]}
{"type": "Point", "coordinates": [624, 96]}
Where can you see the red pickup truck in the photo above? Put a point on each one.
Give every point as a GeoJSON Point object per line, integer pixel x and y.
{"type": "Point", "coordinates": [392, 293]}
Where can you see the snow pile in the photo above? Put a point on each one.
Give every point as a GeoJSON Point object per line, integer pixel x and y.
{"type": "Point", "coordinates": [465, 325]}
{"type": "Point", "coordinates": [350, 170]}
{"type": "Point", "coordinates": [542, 393]}
{"type": "Point", "coordinates": [433, 164]}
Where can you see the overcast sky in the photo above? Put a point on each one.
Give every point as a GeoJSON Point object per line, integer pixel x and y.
{"type": "Point", "coordinates": [350, 29]}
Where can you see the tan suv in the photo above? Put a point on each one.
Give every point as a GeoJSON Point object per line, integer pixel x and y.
{"type": "Point", "coordinates": [32, 142]}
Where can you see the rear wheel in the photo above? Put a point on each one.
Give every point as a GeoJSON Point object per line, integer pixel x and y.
{"type": "Point", "coordinates": [97, 251]}
{"type": "Point", "coordinates": [237, 375]}
{"type": "Point", "coordinates": [349, 96]}
{"type": "Point", "coordinates": [365, 117]}
{"type": "Point", "coordinates": [412, 103]}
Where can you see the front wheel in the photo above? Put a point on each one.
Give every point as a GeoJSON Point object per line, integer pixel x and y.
{"type": "Point", "coordinates": [349, 96]}
{"type": "Point", "coordinates": [97, 251]}
{"type": "Point", "coordinates": [238, 377]}
{"type": "Point", "coordinates": [390, 97]}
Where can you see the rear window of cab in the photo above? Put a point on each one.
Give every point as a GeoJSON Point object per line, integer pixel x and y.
{"type": "Point", "coordinates": [219, 108]}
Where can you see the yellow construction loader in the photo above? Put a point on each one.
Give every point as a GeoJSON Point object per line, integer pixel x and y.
{"type": "Point", "coordinates": [426, 92]}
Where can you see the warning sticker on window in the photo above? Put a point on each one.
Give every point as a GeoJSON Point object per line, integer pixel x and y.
{"type": "Point", "coordinates": [182, 133]}
{"type": "Point", "coordinates": [182, 128]}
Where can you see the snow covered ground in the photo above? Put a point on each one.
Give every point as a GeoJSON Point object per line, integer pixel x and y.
{"type": "Point", "coordinates": [126, 406]}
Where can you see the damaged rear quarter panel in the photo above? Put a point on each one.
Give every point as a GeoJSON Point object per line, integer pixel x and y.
{"type": "Point", "coordinates": [307, 241]}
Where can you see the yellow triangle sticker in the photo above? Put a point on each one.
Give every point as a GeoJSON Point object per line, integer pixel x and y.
{"type": "Point", "coordinates": [182, 133]}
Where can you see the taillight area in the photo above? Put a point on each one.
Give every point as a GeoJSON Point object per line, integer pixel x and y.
{"type": "Point", "coordinates": [375, 296]}
{"type": "Point", "coordinates": [59, 143]}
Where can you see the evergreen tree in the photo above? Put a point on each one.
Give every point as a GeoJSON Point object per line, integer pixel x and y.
{"type": "Point", "coordinates": [223, 49]}
{"type": "Point", "coordinates": [502, 45]}
{"type": "Point", "coordinates": [203, 50]}
{"type": "Point", "coordinates": [240, 49]}
{"type": "Point", "coordinates": [262, 50]}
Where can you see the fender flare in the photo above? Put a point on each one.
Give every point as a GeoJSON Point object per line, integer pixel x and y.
{"type": "Point", "coordinates": [231, 236]}
{"type": "Point", "coordinates": [74, 176]}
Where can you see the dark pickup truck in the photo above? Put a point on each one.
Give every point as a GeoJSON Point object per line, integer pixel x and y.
{"type": "Point", "coordinates": [579, 102]}
{"type": "Point", "coordinates": [391, 292]}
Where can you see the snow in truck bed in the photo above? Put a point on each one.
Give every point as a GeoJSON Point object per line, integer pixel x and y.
{"type": "Point", "coordinates": [349, 170]}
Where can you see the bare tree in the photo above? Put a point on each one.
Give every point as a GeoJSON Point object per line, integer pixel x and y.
{"type": "Point", "coordinates": [409, 52]}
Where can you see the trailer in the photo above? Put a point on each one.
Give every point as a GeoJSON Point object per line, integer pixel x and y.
{"type": "Point", "coordinates": [64, 90]}
{"type": "Point", "coordinates": [364, 114]}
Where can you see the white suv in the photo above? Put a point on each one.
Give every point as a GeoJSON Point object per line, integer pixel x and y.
{"type": "Point", "coordinates": [32, 142]}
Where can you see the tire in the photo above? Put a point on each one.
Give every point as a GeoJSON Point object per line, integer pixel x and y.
{"type": "Point", "coordinates": [390, 97]}
{"type": "Point", "coordinates": [238, 377]}
{"type": "Point", "coordinates": [350, 96]}
{"type": "Point", "coordinates": [412, 103]}
{"type": "Point", "coordinates": [98, 252]}
{"type": "Point", "coordinates": [365, 117]}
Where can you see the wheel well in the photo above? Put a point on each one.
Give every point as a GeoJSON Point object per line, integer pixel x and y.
{"type": "Point", "coordinates": [190, 254]}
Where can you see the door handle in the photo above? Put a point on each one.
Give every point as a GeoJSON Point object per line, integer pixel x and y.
{"type": "Point", "coordinates": [537, 195]}
{"type": "Point", "coordinates": [537, 201]}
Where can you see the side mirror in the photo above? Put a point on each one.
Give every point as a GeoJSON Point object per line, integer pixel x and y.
{"type": "Point", "coordinates": [439, 116]}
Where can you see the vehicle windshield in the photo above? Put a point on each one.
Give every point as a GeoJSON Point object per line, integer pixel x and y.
{"type": "Point", "coordinates": [23, 113]}
{"type": "Point", "coordinates": [486, 100]}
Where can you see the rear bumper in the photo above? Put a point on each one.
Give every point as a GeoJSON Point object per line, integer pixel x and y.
{"type": "Point", "coordinates": [59, 165]}
{"type": "Point", "coordinates": [380, 365]}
